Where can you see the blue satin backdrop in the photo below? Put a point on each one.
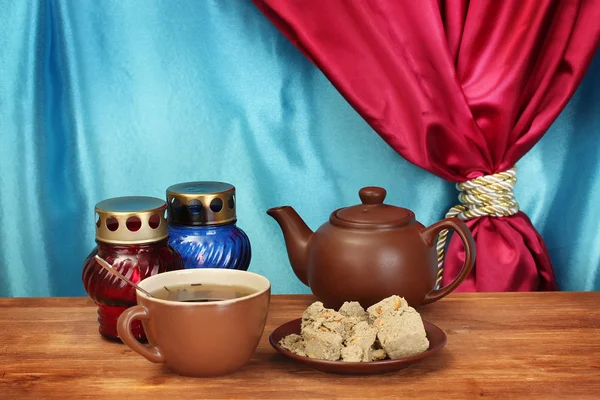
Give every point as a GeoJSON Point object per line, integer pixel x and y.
{"type": "Point", "coordinates": [110, 98]}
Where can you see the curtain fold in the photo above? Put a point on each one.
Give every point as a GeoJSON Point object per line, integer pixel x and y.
{"type": "Point", "coordinates": [460, 88]}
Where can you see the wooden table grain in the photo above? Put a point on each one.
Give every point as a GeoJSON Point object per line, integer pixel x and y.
{"type": "Point", "coordinates": [510, 345]}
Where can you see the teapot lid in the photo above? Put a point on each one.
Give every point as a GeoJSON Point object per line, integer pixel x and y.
{"type": "Point", "coordinates": [372, 211]}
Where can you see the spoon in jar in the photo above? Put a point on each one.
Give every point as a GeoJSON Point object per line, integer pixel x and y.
{"type": "Point", "coordinates": [113, 271]}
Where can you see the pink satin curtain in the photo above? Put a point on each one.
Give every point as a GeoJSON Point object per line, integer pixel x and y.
{"type": "Point", "coordinates": [460, 88]}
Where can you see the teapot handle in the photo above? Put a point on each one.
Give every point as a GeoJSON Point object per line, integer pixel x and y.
{"type": "Point", "coordinates": [430, 235]}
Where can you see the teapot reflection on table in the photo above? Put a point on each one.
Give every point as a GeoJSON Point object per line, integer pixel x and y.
{"type": "Point", "coordinates": [370, 251]}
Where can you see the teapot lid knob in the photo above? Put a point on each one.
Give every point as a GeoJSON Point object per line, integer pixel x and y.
{"type": "Point", "coordinates": [372, 195]}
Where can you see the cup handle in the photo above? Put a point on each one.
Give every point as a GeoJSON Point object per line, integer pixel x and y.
{"type": "Point", "coordinates": [138, 312]}
{"type": "Point", "coordinates": [430, 235]}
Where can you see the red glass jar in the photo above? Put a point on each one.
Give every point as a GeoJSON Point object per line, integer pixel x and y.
{"type": "Point", "coordinates": [132, 235]}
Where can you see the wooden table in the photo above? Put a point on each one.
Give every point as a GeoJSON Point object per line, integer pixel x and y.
{"type": "Point", "coordinates": [533, 345]}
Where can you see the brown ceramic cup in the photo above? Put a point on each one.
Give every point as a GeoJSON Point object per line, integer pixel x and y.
{"type": "Point", "coordinates": [199, 339]}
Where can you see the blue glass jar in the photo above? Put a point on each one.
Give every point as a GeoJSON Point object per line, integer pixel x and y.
{"type": "Point", "coordinates": [202, 226]}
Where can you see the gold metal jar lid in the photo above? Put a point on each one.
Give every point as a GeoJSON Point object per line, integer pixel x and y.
{"type": "Point", "coordinates": [201, 203]}
{"type": "Point", "coordinates": [131, 220]}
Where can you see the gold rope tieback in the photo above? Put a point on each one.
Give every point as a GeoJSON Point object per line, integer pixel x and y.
{"type": "Point", "coordinates": [490, 195]}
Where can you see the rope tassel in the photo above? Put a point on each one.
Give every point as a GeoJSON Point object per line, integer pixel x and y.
{"type": "Point", "coordinates": [488, 195]}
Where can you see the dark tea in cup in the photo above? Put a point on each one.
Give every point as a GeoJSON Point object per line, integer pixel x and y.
{"type": "Point", "coordinates": [201, 293]}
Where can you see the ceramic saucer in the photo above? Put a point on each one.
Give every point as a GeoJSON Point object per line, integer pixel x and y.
{"type": "Point", "coordinates": [437, 340]}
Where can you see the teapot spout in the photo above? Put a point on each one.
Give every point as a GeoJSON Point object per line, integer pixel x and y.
{"type": "Point", "coordinates": [297, 236]}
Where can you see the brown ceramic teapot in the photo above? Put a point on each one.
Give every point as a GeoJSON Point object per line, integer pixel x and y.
{"type": "Point", "coordinates": [370, 251]}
